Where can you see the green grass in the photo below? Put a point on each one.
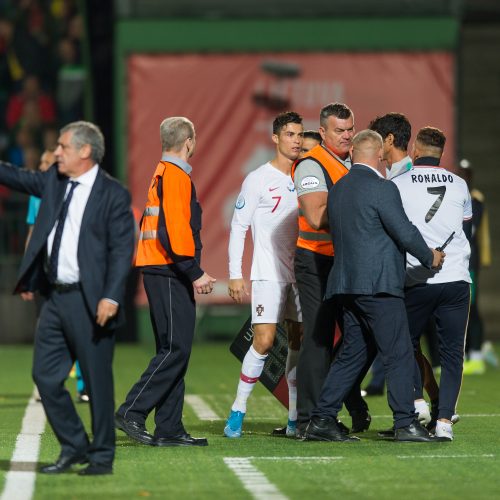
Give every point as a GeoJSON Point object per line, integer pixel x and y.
{"type": "Point", "coordinates": [466, 468]}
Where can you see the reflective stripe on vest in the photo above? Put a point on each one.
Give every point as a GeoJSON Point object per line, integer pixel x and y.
{"type": "Point", "coordinates": [148, 235]}
{"type": "Point", "coordinates": [151, 211]}
{"type": "Point", "coordinates": [319, 241]}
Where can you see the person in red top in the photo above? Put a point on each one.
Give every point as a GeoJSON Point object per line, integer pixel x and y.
{"type": "Point", "coordinates": [31, 92]}
{"type": "Point", "coordinates": [169, 252]}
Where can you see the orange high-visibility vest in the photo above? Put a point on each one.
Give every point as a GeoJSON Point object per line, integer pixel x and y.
{"type": "Point", "coordinates": [319, 241]}
{"type": "Point", "coordinates": [174, 212]}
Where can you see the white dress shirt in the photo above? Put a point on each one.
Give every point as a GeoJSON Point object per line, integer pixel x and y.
{"type": "Point", "coordinates": [68, 270]}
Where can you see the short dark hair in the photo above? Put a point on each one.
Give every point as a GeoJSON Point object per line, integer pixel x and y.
{"type": "Point", "coordinates": [431, 136]}
{"type": "Point", "coordinates": [284, 119]}
{"type": "Point", "coordinates": [396, 124]}
{"type": "Point", "coordinates": [312, 134]}
{"type": "Point", "coordinates": [336, 109]}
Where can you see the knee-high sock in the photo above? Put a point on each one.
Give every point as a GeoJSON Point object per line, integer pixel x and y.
{"type": "Point", "coordinates": [253, 364]}
{"type": "Point", "coordinates": [291, 379]}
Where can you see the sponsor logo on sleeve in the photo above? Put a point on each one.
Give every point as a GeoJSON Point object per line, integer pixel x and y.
{"type": "Point", "coordinates": [240, 202]}
{"type": "Point", "coordinates": [309, 182]}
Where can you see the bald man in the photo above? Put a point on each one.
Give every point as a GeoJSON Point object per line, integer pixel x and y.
{"type": "Point", "coordinates": [371, 234]}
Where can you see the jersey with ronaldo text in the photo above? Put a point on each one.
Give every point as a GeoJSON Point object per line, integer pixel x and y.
{"type": "Point", "coordinates": [268, 204]}
{"type": "Point", "coordinates": [437, 202]}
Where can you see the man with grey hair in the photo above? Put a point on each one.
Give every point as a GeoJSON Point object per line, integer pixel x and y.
{"type": "Point", "coordinates": [169, 253]}
{"type": "Point", "coordinates": [371, 234]}
{"type": "Point", "coordinates": [78, 256]}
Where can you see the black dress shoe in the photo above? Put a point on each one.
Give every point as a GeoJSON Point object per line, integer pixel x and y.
{"type": "Point", "coordinates": [414, 432]}
{"type": "Point", "coordinates": [64, 463]}
{"type": "Point", "coordinates": [361, 421]}
{"type": "Point", "coordinates": [343, 428]}
{"type": "Point", "coordinates": [96, 470]}
{"type": "Point", "coordinates": [388, 433]}
{"type": "Point", "coordinates": [181, 440]}
{"type": "Point", "coordinates": [279, 432]}
{"type": "Point", "coordinates": [326, 429]}
{"type": "Point", "coordinates": [134, 430]}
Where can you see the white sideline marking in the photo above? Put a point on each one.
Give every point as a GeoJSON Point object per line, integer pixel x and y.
{"type": "Point", "coordinates": [20, 480]}
{"type": "Point", "coordinates": [447, 456]}
{"type": "Point", "coordinates": [254, 481]}
{"type": "Point", "coordinates": [301, 459]}
{"type": "Point", "coordinates": [201, 408]}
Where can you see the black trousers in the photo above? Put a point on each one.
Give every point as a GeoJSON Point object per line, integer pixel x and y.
{"type": "Point", "coordinates": [449, 303]}
{"type": "Point", "coordinates": [372, 324]}
{"type": "Point", "coordinates": [316, 351]}
{"type": "Point", "coordinates": [161, 386]}
{"type": "Point", "coordinates": [66, 331]}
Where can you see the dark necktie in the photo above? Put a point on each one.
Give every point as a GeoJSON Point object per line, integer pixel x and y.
{"type": "Point", "coordinates": [56, 244]}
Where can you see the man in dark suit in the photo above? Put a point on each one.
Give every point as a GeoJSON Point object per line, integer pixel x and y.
{"type": "Point", "coordinates": [371, 233]}
{"type": "Point", "coordinates": [78, 256]}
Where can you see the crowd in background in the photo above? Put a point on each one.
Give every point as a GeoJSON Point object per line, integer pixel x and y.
{"type": "Point", "coordinates": [42, 83]}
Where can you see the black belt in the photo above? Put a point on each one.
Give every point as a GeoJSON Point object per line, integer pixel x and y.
{"type": "Point", "coordinates": [65, 287]}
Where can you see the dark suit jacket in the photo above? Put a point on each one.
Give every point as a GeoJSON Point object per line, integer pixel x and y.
{"type": "Point", "coordinates": [371, 234]}
{"type": "Point", "coordinates": [106, 242]}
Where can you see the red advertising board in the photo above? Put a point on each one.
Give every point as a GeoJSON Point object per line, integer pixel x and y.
{"type": "Point", "coordinates": [233, 98]}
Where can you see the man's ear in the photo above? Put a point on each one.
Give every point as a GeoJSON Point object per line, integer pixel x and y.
{"type": "Point", "coordinates": [275, 138]}
{"type": "Point", "coordinates": [85, 152]}
{"type": "Point", "coordinates": [390, 139]}
{"type": "Point", "coordinates": [321, 131]}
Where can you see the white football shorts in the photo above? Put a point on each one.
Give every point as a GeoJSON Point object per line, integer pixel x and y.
{"type": "Point", "coordinates": [273, 301]}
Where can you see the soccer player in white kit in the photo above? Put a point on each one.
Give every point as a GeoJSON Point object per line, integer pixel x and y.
{"type": "Point", "coordinates": [439, 204]}
{"type": "Point", "coordinates": [268, 204]}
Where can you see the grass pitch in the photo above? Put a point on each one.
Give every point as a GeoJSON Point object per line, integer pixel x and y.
{"type": "Point", "coordinates": [258, 465]}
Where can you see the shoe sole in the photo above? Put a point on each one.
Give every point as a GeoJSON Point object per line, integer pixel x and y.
{"type": "Point", "coordinates": [313, 437]}
{"type": "Point", "coordinates": [418, 440]}
{"type": "Point", "coordinates": [169, 445]}
{"type": "Point", "coordinates": [66, 469]}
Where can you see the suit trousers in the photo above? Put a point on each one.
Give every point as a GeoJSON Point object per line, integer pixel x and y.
{"type": "Point", "coordinates": [161, 386]}
{"type": "Point", "coordinates": [66, 331]}
{"type": "Point", "coordinates": [449, 303]}
{"type": "Point", "coordinates": [317, 351]}
{"type": "Point", "coordinates": [372, 324]}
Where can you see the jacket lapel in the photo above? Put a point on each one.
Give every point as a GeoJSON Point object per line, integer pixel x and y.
{"type": "Point", "coordinates": [92, 203]}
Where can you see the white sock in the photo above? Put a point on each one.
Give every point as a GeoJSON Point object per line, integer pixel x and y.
{"type": "Point", "coordinates": [251, 369]}
{"type": "Point", "coordinates": [291, 379]}
{"type": "Point", "coordinates": [476, 355]}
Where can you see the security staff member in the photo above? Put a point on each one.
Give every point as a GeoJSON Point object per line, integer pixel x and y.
{"type": "Point", "coordinates": [169, 252]}
{"type": "Point", "coordinates": [314, 175]}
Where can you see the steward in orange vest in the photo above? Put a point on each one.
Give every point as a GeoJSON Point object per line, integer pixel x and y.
{"type": "Point", "coordinates": [169, 238]}
{"type": "Point", "coordinates": [318, 240]}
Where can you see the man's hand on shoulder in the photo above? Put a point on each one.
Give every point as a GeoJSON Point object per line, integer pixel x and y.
{"type": "Point", "coordinates": [437, 258]}
{"type": "Point", "coordinates": [204, 284]}
{"type": "Point", "coordinates": [237, 289]}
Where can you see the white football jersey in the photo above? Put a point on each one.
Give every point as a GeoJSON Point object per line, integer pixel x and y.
{"type": "Point", "coordinates": [268, 204]}
{"type": "Point", "coordinates": [437, 202]}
